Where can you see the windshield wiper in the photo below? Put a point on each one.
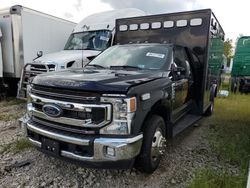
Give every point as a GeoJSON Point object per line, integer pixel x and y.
{"type": "Point", "coordinates": [96, 65]}
{"type": "Point", "coordinates": [124, 67]}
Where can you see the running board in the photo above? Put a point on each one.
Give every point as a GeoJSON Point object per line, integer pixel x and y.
{"type": "Point", "coordinates": [184, 123]}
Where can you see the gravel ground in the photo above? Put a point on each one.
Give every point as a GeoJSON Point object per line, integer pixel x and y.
{"type": "Point", "coordinates": [185, 153]}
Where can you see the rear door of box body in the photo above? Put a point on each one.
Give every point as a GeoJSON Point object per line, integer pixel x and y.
{"type": "Point", "coordinates": [7, 44]}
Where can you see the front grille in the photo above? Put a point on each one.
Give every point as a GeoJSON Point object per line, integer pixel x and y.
{"type": "Point", "coordinates": [42, 68]}
{"type": "Point", "coordinates": [65, 94]}
{"type": "Point", "coordinates": [97, 115]}
{"type": "Point", "coordinates": [78, 113]}
{"type": "Point", "coordinates": [64, 127]}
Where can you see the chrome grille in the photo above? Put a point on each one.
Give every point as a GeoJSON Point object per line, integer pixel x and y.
{"type": "Point", "coordinates": [63, 127]}
{"type": "Point", "coordinates": [96, 114]}
{"type": "Point", "coordinates": [42, 68]}
{"type": "Point", "coordinates": [74, 114]}
{"type": "Point", "coordinates": [65, 95]}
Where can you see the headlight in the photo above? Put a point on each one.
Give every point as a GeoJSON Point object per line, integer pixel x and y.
{"type": "Point", "coordinates": [123, 113]}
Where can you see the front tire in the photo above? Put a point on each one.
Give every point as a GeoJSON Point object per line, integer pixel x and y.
{"type": "Point", "coordinates": [210, 109]}
{"type": "Point", "coordinates": [153, 145]}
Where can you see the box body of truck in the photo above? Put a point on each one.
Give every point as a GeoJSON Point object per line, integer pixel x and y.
{"type": "Point", "coordinates": [25, 32]}
{"type": "Point", "coordinates": [240, 75]}
{"type": "Point", "coordinates": [206, 42]}
{"type": "Point", "coordinates": [129, 100]}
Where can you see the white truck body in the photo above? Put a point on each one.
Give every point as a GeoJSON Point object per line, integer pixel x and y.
{"type": "Point", "coordinates": [101, 26]}
{"type": "Point", "coordinates": [25, 32]}
{"type": "Point", "coordinates": [1, 59]}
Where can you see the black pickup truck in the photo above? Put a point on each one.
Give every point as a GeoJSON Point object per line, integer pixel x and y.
{"type": "Point", "coordinates": [128, 101]}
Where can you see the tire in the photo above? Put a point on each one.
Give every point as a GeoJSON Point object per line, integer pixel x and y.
{"type": "Point", "coordinates": [210, 109]}
{"type": "Point", "coordinates": [153, 144]}
{"type": "Point", "coordinates": [233, 85]}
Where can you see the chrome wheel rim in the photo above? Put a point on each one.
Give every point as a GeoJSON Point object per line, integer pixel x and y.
{"type": "Point", "coordinates": [212, 106]}
{"type": "Point", "coordinates": [158, 145]}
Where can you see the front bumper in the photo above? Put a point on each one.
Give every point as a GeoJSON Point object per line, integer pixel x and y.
{"type": "Point", "coordinates": [123, 149]}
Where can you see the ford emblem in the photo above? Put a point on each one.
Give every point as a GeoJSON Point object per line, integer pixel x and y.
{"type": "Point", "coordinates": [52, 110]}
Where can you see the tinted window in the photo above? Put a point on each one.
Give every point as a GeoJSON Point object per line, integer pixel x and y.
{"type": "Point", "coordinates": [181, 60]}
{"type": "Point", "coordinates": [180, 56]}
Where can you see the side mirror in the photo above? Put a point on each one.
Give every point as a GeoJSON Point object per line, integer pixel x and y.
{"type": "Point", "coordinates": [177, 72]}
{"type": "Point", "coordinates": [39, 54]}
{"type": "Point", "coordinates": [173, 68]}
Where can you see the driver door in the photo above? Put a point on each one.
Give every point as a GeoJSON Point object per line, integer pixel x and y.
{"type": "Point", "coordinates": [181, 82]}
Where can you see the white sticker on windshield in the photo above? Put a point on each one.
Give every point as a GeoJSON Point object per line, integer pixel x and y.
{"type": "Point", "coordinates": [104, 38]}
{"type": "Point", "coordinates": [151, 54]}
{"type": "Point", "coordinates": [141, 66]}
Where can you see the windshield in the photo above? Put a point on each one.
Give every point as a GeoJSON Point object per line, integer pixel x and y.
{"type": "Point", "coordinates": [133, 56]}
{"type": "Point", "coordinates": [89, 40]}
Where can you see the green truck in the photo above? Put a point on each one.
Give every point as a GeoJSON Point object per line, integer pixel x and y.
{"type": "Point", "coordinates": [240, 75]}
{"type": "Point", "coordinates": [216, 60]}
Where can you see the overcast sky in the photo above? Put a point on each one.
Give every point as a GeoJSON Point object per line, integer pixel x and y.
{"type": "Point", "coordinates": [231, 14]}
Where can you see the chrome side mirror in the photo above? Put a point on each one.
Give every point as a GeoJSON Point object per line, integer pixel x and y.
{"type": "Point", "coordinates": [39, 54]}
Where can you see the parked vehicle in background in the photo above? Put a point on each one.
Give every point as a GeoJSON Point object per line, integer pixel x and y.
{"type": "Point", "coordinates": [216, 60]}
{"type": "Point", "coordinates": [240, 75]}
{"type": "Point", "coordinates": [90, 37]}
{"type": "Point", "coordinates": [2, 86]}
{"type": "Point", "coordinates": [24, 33]}
{"type": "Point", "coordinates": [125, 104]}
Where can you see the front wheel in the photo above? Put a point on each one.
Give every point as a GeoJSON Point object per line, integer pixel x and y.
{"type": "Point", "coordinates": [153, 145]}
{"type": "Point", "coordinates": [210, 109]}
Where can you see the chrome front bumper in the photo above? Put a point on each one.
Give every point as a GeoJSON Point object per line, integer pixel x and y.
{"type": "Point", "coordinates": [123, 148]}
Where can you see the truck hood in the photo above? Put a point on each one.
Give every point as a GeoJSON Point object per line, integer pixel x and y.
{"type": "Point", "coordinates": [66, 56]}
{"type": "Point", "coordinates": [113, 81]}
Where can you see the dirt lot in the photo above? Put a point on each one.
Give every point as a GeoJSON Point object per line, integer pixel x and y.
{"type": "Point", "coordinates": [21, 165]}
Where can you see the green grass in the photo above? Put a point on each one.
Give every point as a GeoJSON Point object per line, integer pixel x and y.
{"type": "Point", "coordinates": [224, 86]}
{"type": "Point", "coordinates": [6, 116]}
{"type": "Point", "coordinates": [4, 148]}
{"type": "Point", "coordinates": [11, 101]}
{"type": "Point", "coordinates": [17, 146]}
{"type": "Point", "coordinates": [209, 178]}
{"type": "Point", "coordinates": [229, 138]}
{"type": "Point", "coordinates": [20, 145]}
{"type": "Point", "coordinates": [230, 135]}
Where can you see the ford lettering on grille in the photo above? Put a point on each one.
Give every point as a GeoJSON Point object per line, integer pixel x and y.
{"type": "Point", "coordinates": [52, 110]}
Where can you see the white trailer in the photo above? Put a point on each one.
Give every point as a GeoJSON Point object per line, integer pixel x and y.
{"type": "Point", "coordinates": [1, 59]}
{"type": "Point", "coordinates": [2, 88]}
{"type": "Point", "coordinates": [90, 37]}
{"type": "Point", "coordinates": [25, 32]}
